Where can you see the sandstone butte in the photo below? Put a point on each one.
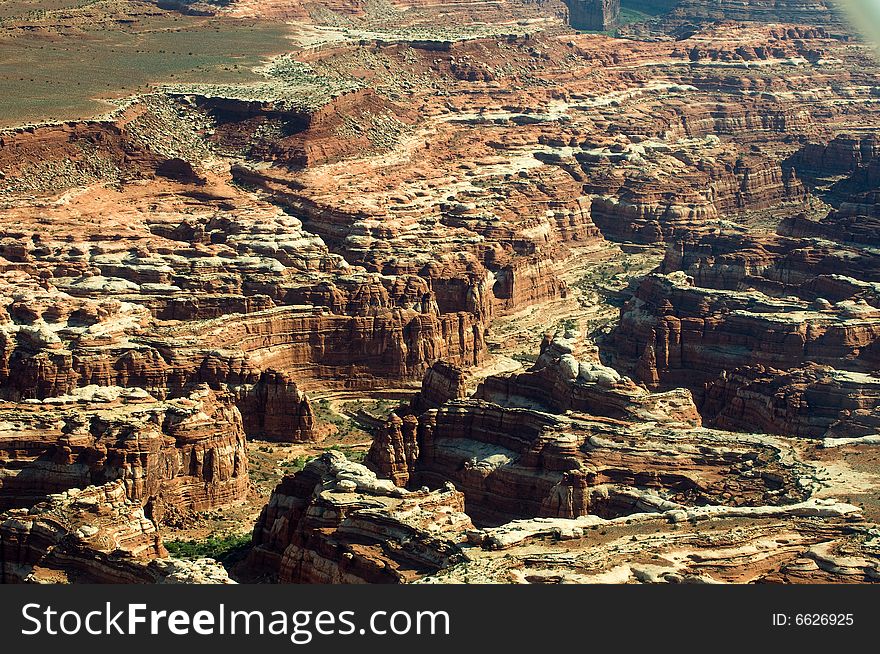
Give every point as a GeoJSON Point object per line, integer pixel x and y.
{"type": "Point", "coordinates": [621, 288]}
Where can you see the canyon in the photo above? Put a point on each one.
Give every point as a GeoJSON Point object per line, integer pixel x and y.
{"type": "Point", "coordinates": [522, 485]}
{"type": "Point", "coordinates": [525, 291]}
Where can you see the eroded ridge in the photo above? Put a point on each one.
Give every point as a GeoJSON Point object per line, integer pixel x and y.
{"type": "Point", "coordinates": [572, 473]}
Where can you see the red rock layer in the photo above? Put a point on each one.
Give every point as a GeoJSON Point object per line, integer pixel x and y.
{"type": "Point", "coordinates": [647, 214]}
{"type": "Point", "coordinates": [515, 463]}
{"type": "Point", "coordinates": [779, 266]}
{"type": "Point", "coordinates": [679, 334]}
{"type": "Point", "coordinates": [808, 12]}
{"type": "Point", "coordinates": [335, 522]}
{"type": "Point", "coordinates": [843, 154]}
{"type": "Point", "coordinates": [442, 382]}
{"type": "Point", "coordinates": [92, 535]}
{"type": "Point", "coordinates": [395, 449]}
{"type": "Point", "coordinates": [188, 453]}
{"type": "Point", "coordinates": [773, 333]}
{"type": "Point", "coordinates": [813, 402]}
{"type": "Point", "coordinates": [560, 440]}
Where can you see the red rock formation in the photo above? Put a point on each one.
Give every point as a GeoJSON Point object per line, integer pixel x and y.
{"type": "Point", "coordinates": [857, 205]}
{"type": "Point", "coordinates": [310, 137]}
{"type": "Point", "coordinates": [395, 449]}
{"type": "Point", "coordinates": [188, 453]}
{"type": "Point", "coordinates": [855, 228]}
{"type": "Point", "coordinates": [577, 473]}
{"type": "Point", "coordinates": [363, 209]}
{"type": "Point", "coordinates": [558, 382]}
{"type": "Point", "coordinates": [335, 522]}
{"type": "Point", "coordinates": [809, 12]}
{"type": "Point", "coordinates": [676, 333]}
{"type": "Point", "coordinates": [844, 154]}
{"type": "Point", "coordinates": [92, 535]}
{"type": "Point", "coordinates": [645, 212]}
{"type": "Point", "coordinates": [558, 440]}
{"type": "Point", "coordinates": [345, 526]}
{"type": "Point", "coordinates": [734, 259]}
{"type": "Point", "coordinates": [211, 254]}
{"type": "Point", "coordinates": [813, 402]}
{"type": "Point", "coordinates": [596, 15]}
{"type": "Point", "coordinates": [274, 409]}
{"type": "Point", "coordinates": [814, 542]}
{"type": "Point", "coordinates": [773, 333]}
{"type": "Point", "coordinates": [442, 382]}
{"type": "Point", "coordinates": [234, 352]}
{"type": "Point", "coordinates": [515, 463]}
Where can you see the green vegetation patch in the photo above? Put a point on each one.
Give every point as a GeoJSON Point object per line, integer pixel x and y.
{"type": "Point", "coordinates": [224, 549]}
{"type": "Point", "coordinates": [296, 464]}
{"type": "Point", "coordinates": [628, 15]}
{"type": "Point", "coordinates": [637, 11]}
{"type": "Point", "coordinates": [346, 428]}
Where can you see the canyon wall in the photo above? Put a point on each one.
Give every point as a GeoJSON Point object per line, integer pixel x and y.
{"type": "Point", "coordinates": [187, 453]}
{"type": "Point", "coordinates": [595, 15]}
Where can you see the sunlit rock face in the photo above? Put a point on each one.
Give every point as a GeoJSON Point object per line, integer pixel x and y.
{"type": "Point", "coordinates": [187, 454]}
{"type": "Point", "coordinates": [561, 456]}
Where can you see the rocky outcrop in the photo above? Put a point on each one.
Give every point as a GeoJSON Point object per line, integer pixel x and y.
{"type": "Point", "coordinates": [92, 535]}
{"type": "Point", "coordinates": [335, 522]}
{"type": "Point", "coordinates": [644, 210]}
{"type": "Point", "coordinates": [514, 463]}
{"type": "Point", "coordinates": [855, 199]}
{"type": "Point", "coordinates": [187, 453]}
{"type": "Point", "coordinates": [812, 402]}
{"type": "Point", "coordinates": [275, 409]}
{"type": "Point", "coordinates": [535, 478]}
{"type": "Point", "coordinates": [442, 382]}
{"type": "Point", "coordinates": [734, 259]}
{"type": "Point", "coordinates": [492, 248]}
{"type": "Point", "coordinates": [347, 527]}
{"type": "Point", "coordinates": [857, 229]}
{"type": "Point", "coordinates": [254, 356]}
{"type": "Point", "coordinates": [560, 441]}
{"type": "Point", "coordinates": [842, 155]}
{"type": "Point", "coordinates": [803, 12]}
{"type": "Point", "coordinates": [395, 449]}
{"type": "Point", "coordinates": [817, 541]}
{"type": "Point", "coordinates": [772, 333]}
{"type": "Point", "coordinates": [677, 333]}
{"type": "Point", "coordinates": [559, 382]}
{"type": "Point", "coordinates": [365, 206]}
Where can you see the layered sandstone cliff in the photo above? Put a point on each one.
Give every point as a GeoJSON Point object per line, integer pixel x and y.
{"type": "Point", "coordinates": [187, 453]}
{"type": "Point", "coordinates": [772, 333]}
{"type": "Point", "coordinates": [335, 522]}
{"type": "Point", "coordinates": [562, 439]}
{"type": "Point", "coordinates": [189, 270]}
{"type": "Point", "coordinates": [92, 535]}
